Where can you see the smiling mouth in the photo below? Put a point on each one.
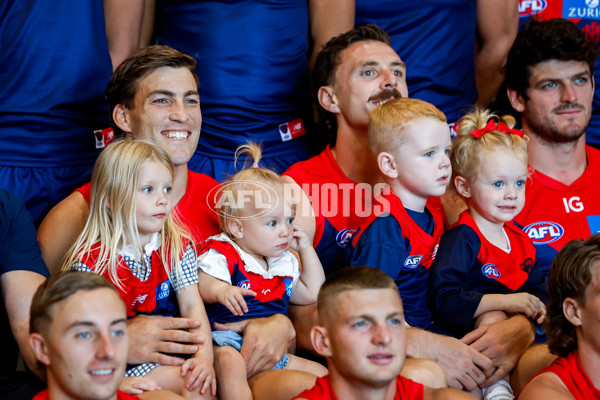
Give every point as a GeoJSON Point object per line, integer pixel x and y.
{"type": "Point", "coordinates": [102, 372]}
{"type": "Point", "coordinates": [176, 135]}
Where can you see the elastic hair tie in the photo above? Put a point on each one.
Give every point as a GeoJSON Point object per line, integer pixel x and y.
{"type": "Point", "coordinates": [255, 165]}
{"type": "Point", "coordinates": [492, 126]}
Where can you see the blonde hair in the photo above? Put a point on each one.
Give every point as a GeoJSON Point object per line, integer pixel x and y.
{"type": "Point", "coordinates": [467, 150]}
{"type": "Point", "coordinates": [388, 121]}
{"type": "Point", "coordinates": [113, 210]}
{"type": "Point", "coordinates": [251, 179]}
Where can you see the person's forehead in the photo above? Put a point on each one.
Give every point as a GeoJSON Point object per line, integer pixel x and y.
{"type": "Point", "coordinates": [98, 306]}
{"type": "Point", "coordinates": [557, 69]}
{"type": "Point", "coordinates": [363, 302]}
{"type": "Point", "coordinates": [370, 51]}
{"type": "Point", "coordinates": [166, 79]}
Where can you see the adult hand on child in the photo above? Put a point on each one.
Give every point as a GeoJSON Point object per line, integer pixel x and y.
{"type": "Point", "coordinates": [503, 342]}
{"type": "Point", "coordinates": [266, 340]}
{"type": "Point", "coordinates": [232, 297]}
{"type": "Point", "coordinates": [151, 337]}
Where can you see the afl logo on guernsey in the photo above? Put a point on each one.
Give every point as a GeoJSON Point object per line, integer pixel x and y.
{"type": "Point", "coordinates": [544, 232]}
{"type": "Point", "coordinates": [531, 7]}
{"type": "Point", "coordinates": [344, 237]}
{"type": "Point", "coordinates": [490, 271]}
{"type": "Point", "coordinates": [412, 262]}
{"type": "Point", "coordinates": [244, 284]}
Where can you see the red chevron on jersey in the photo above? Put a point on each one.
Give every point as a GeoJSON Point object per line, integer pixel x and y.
{"type": "Point", "coordinates": [510, 269]}
{"type": "Point", "coordinates": [266, 289]}
{"type": "Point", "coordinates": [423, 247]}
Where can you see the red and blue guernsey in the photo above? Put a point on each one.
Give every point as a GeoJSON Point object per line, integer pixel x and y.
{"type": "Point", "coordinates": [468, 266]}
{"type": "Point", "coordinates": [226, 261]}
{"type": "Point", "coordinates": [195, 209]}
{"type": "Point", "coordinates": [340, 206]}
{"type": "Point", "coordinates": [556, 213]}
{"type": "Point", "coordinates": [403, 244]}
{"type": "Point", "coordinates": [405, 389]}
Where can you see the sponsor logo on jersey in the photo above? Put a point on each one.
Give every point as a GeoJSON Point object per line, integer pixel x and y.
{"type": "Point", "coordinates": [140, 299]}
{"type": "Point", "coordinates": [584, 9]}
{"type": "Point", "coordinates": [591, 30]}
{"type": "Point", "coordinates": [288, 286]}
{"type": "Point", "coordinates": [244, 284]}
{"type": "Point", "coordinates": [163, 291]}
{"type": "Point", "coordinates": [544, 232]}
{"type": "Point", "coordinates": [412, 262]}
{"type": "Point", "coordinates": [344, 237]}
{"type": "Point", "coordinates": [490, 271]}
{"type": "Point", "coordinates": [531, 7]}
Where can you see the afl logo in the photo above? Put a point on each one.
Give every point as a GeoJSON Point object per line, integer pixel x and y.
{"type": "Point", "coordinates": [244, 284]}
{"type": "Point", "coordinates": [531, 7]}
{"type": "Point", "coordinates": [412, 262]}
{"type": "Point", "coordinates": [490, 271]}
{"type": "Point", "coordinates": [544, 232]}
{"type": "Point", "coordinates": [344, 236]}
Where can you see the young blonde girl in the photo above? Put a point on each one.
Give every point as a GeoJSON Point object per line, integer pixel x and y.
{"type": "Point", "coordinates": [132, 239]}
{"type": "Point", "coordinates": [484, 268]}
{"type": "Point", "coordinates": [248, 270]}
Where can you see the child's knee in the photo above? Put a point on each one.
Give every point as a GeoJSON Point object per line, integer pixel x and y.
{"type": "Point", "coordinates": [302, 364]}
{"type": "Point", "coordinates": [425, 371]}
{"type": "Point", "coordinates": [227, 357]}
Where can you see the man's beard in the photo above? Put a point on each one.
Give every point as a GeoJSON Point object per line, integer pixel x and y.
{"type": "Point", "coordinates": [547, 129]}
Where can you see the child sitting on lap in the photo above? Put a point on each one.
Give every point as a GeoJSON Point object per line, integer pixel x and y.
{"type": "Point", "coordinates": [248, 270]}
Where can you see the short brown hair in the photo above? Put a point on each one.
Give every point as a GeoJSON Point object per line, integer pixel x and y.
{"type": "Point", "coordinates": [351, 278]}
{"type": "Point", "coordinates": [387, 121]}
{"type": "Point", "coordinates": [123, 84]}
{"type": "Point", "coordinates": [58, 288]}
{"type": "Point", "coordinates": [330, 57]}
{"type": "Point", "coordinates": [569, 277]}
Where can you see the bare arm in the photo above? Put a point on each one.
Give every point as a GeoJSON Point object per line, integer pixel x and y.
{"type": "Point", "coordinates": [465, 367]}
{"type": "Point", "coordinates": [497, 24]}
{"type": "Point", "coordinates": [200, 371]}
{"type": "Point", "coordinates": [215, 290]}
{"type": "Point", "coordinates": [18, 288]}
{"type": "Point", "coordinates": [524, 303]}
{"type": "Point", "coordinates": [328, 18]}
{"type": "Point", "coordinates": [503, 342]}
{"type": "Point", "coordinates": [128, 26]}
{"type": "Point", "coordinates": [60, 229]}
{"type": "Point", "coordinates": [312, 275]}
{"type": "Point", "coordinates": [546, 386]}
{"type": "Point", "coordinates": [444, 394]}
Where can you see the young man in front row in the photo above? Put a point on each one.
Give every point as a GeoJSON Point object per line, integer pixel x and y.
{"type": "Point", "coordinates": [572, 325]}
{"type": "Point", "coordinates": [362, 335]}
{"type": "Point", "coordinates": [78, 331]}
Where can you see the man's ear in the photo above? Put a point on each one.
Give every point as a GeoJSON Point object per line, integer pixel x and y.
{"type": "Point", "coordinates": [462, 187]}
{"type": "Point", "coordinates": [516, 100]}
{"type": "Point", "coordinates": [38, 344]}
{"type": "Point", "coordinates": [572, 311]}
{"type": "Point", "coordinates": [121, 118]}
{"type": "Point", "coordinates": [320, 341]}
{"type": "Point", "coordinates": [387, 165]}
{"type": "Point", "coordinates": [328, 100]}
{"type": "Point", "coordinates": [236, 228]}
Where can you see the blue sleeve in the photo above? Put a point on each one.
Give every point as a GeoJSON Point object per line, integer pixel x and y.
{"type": "Point", "coordinates": [381, 246]}
{"type": "Point", "coordinates": [536, 285]}
{"type": "Point", "coordinates": [450, 299]}
{"type": "Point", "coordinates": [18, 239]}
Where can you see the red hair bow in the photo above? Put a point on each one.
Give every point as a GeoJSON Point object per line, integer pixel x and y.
{"type": "Point", "coordinates": [500, 127]}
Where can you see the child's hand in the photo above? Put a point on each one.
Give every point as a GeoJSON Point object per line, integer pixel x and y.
{"type": "Point", "coordinates": [300, 240]}
{"type": "Point", "coordinates": [232, 297]}
{"type": "Point", "coordinates": [199, 373]}
{"type": "Point", "coordinates": [527, 304]}
{"type": "Point", "coordinates": [138, 385]}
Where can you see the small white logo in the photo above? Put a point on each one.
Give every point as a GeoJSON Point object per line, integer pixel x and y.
{"type": "Point", "coordinates": [591, 3]}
